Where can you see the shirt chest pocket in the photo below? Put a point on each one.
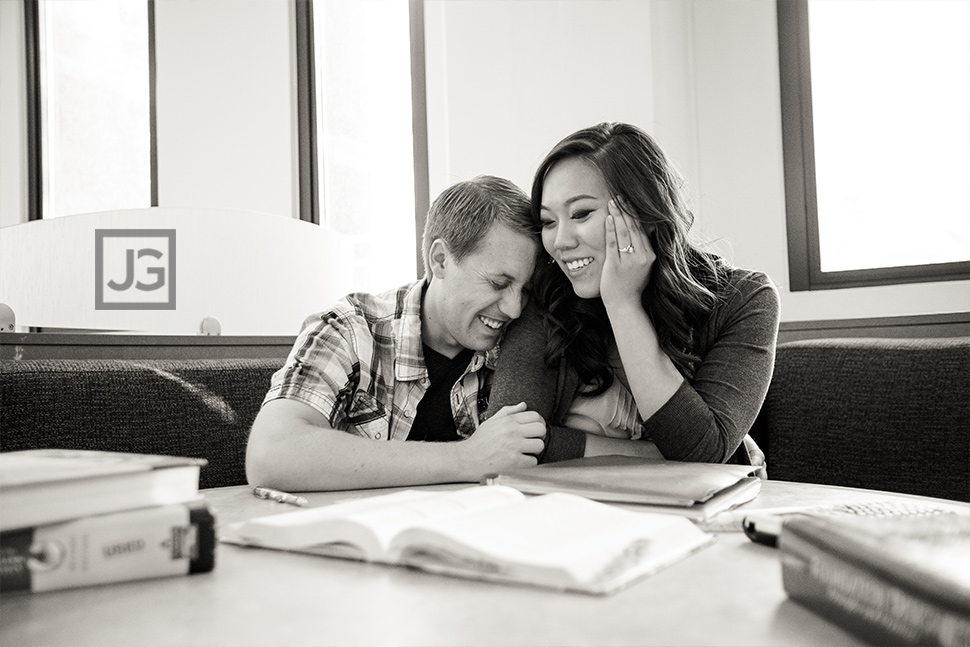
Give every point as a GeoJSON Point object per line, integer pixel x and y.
{"type": "Point", "coordinates": [368, 417]}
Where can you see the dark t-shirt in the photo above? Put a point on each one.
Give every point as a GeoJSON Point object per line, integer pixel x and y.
{"type": "Point", "coordinates": [434, 421]}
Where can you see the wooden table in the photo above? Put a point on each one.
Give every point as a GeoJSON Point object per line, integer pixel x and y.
{"type": "Point", "coordinates": [727, 594]}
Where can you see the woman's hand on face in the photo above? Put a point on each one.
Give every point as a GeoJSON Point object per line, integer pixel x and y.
{"type": "Point", "coordinates": [629, 259]}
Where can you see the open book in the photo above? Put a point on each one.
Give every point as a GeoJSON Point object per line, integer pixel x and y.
{"type": "Point", "coordinates": [698, 491]}
{"type": "Point", "coordinates": [491, 533]}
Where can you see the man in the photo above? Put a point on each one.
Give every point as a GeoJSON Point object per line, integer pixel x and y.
{"type": "Point", "coordinates": [412, 365]}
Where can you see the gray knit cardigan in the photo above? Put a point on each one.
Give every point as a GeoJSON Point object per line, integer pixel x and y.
{"type": "Point", "coordinates": [704, 421]}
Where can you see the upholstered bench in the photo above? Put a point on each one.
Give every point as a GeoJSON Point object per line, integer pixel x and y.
{"type": "Point", "coordinates": [201, 408]}
{"type": "Point", "coordinates": [886, 414]}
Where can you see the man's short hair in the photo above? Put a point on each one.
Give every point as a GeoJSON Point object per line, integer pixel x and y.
{"type": "Point", "coordinates": [463, 213]}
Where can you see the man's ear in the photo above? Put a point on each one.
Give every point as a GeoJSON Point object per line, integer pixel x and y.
{"type": "Point", "coordinates": [438, 258]}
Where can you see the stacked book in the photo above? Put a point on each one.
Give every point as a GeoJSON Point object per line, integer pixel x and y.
{"type": "Point", "coordinates": [891, 581]}
{"type": "Point", "coordinates": [71, 518]}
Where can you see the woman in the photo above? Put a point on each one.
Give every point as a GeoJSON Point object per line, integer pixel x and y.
{"type": "Point", "coordinates": [634, 334]}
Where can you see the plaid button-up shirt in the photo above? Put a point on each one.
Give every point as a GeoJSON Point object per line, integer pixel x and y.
{"type": "Point", "coordinates": [361, 365]}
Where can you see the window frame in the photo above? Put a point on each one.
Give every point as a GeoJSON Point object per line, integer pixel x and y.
{"type": "Point", "coordinates": [306, 117]}
{"type": "Point", "coordinates": [801, 206]}
{"type": "Point", "coordinates": [36, 201]}
{"type": "Point", "coordinates": [309, 198]}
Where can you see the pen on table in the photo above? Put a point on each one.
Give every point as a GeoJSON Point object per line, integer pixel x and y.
{"type": "Point", "coordinates": [736, 517]}
{"type": "Point", "coordinates": [277, 495]}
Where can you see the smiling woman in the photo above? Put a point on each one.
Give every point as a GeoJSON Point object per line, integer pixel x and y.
{"type": "Point", "coordinates": [636, 334]}
{"type": "Point", "coordinates": [573, 223]}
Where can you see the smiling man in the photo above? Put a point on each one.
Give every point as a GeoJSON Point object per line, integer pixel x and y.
{"type": "Point", "coordinates": [414, 364]}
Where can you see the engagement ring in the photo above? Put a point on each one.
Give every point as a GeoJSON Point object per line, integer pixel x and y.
{"type": "Point", "coordinates": [627, 250]}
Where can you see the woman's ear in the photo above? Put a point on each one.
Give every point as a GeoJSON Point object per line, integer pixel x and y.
{"type": "Point", "coordinates": [438, 258]}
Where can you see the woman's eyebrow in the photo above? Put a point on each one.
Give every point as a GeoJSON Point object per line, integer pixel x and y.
{"type": "Point", "coordinates": [569, 201]}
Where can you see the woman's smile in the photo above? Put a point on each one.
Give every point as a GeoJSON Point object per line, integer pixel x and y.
{"type": "Point", "coordinates": [578, 264]}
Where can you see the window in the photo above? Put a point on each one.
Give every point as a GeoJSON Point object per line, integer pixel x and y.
{"type": "Point", "coordinates": [359, 170]}
{"type": "Point", "coordinates": [90, 102]}
{"type": "Point", "coordinates": [875, 98]}
{"type": "Point", "coordinates": [363, 158]}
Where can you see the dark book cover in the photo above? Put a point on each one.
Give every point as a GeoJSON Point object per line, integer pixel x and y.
{"type": "Point", "coordinates": [902, 580]}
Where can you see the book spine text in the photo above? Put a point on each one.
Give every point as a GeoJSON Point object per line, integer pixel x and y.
{"type": "Point", "coordinates": [136, 544]}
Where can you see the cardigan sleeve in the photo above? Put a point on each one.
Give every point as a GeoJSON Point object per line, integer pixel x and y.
{"type": "Point", "coordinates": [521, 375]}
{"type": "Point", "coordinates": [709, 415]}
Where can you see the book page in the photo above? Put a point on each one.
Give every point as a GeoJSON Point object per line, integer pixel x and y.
{"type": "Point", "coordinates": [386, 521]}
{"type": "Point", "coordinates": [569, 535]}
{"type": "Point", "coordinates": [368, 525]}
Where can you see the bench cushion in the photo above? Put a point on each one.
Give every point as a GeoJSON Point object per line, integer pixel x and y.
{"type": "Point", "coordinates": [887, 414]}
{"type": "Point", "coordinates": [199, 408]}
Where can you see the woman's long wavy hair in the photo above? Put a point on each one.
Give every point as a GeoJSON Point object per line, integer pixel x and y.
{"type": "Point", "coordinates": [683, 281]}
